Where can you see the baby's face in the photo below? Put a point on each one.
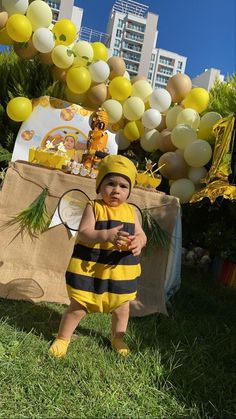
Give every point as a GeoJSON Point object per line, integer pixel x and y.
{"type": "Point", "coordinates": [69, 143]}
{"type": "Point", "coordinates": [114, 190]}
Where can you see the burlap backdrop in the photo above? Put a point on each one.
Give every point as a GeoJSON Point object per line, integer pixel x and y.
{"type": "Point", "coordinates": [34, 268]}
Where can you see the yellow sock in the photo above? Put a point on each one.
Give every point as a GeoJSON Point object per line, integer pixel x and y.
{"type": "Point", "coordinates": [119, 346]}
{"type": "Point", "coordinates": [59, 347]}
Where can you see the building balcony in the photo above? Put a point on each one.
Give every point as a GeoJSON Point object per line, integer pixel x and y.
{"type": "Point", "coordinates": [131, 59]}
{"type": "Point", "coordinates": [132, 48]}
{"type": "Point", "coordinates": [131, 37]}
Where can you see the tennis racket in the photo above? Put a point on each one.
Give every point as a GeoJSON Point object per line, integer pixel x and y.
{"type": "Point", "coordinates": [71, 207]}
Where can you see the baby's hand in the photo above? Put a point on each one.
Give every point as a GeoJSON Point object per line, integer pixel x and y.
{"type": "Point", "coordinates": [135, 245]}
{"type": "Point", "coordinates": [118, 237]}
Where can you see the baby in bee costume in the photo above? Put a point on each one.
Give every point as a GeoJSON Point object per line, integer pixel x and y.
{"type": "Point", "coordinates": [104, 269]}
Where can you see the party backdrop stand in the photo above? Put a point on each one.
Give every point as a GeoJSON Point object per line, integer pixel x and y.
{"type": "Point", "coordinates": [33, 268]}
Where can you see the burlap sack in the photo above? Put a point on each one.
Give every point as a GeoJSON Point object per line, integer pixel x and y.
{"type": "Point", "coordinates": [34, 268]}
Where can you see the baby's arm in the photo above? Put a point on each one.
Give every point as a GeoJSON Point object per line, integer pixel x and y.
{"type": "Point", "coordinates": [87, 232]}
{"type": "Point", "coordinates": [139, 240]}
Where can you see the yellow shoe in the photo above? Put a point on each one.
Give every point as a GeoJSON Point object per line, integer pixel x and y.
{"type": "Point", "coordinates": [119, 346]}
{"type": "Point", "coordinates": [59, 348]}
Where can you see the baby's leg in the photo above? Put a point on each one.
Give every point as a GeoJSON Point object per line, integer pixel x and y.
{"type": "Point", "coordinates": [120, 318]}
{"type": "Point", "coordinates": [70, 320]}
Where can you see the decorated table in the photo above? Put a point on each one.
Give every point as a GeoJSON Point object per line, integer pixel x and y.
{"type": "Point", "coordinates": [33, 268]}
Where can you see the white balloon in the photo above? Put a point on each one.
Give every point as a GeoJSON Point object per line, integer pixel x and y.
{"type": "Point", "coordinates": [182, 189]}
{"type": "Point", "coordinates": [15, 6]}
{"type": "Point", "coordinates": [160, 99]}
{"type": "Point", "coordinates": [195, 174]}
{"type": "Point", "coordinates": [149, 140]}
{"type": "Point", "coordinates": [122, 142]}
{"type": "Point", "coordinates": [43, 40]}
{"type": "Point", "coordinates": [99, 71]}
{"type": "Point", "coordinates": [126, 75]}
{"type": "Point", "coordinates": [151, 118]}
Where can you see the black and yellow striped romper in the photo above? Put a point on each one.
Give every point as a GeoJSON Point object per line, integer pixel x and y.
{"type": "Point", "coordinates": [100, 277]}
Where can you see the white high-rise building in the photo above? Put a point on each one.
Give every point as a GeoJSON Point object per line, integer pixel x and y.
{"type": "Point", "coordinates": [133, 36]}
{"type": "Point", "coordinates": [165, 64]}
{"type": "Point", "coordinates": [207, 78]}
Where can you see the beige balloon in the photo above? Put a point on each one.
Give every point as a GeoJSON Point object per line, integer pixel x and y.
{"type": "Point", "coordinates": [25, 50]}
{"type": "Point", "coordinates": [117, 67]}
{"type": "Point", "coordinates": [136, 78]}
{"type": "Point", "coordinates": [175, 167]}
{"type": "Point", "coordinates": [46, 58]}
{"type": "Point", "coordinates": [97, 94]}
{"type": "Point", "coordinates": [164, 142]}
{"type": "Point", "coordinates": [179, 86]}
{"type": "Point", "coordinates": [162, 124]}
{"type": "Point", "coordinates": [58, 73]}
{"type": "Point", "coordinates": [3, 19]}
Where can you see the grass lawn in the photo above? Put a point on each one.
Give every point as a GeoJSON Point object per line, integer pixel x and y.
{"type": "Point", "coordinates": [181, 366]}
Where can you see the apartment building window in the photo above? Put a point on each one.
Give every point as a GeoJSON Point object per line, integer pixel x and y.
{"type": "Point", "coordinates": [136, 27]}
{"type": "Point", "coordinates": [120, 23]}
{"type": "Point", "coordinates": [166, 60]}
{"type": "Point", "coordinates": [180, 65]}
{"type": "Point", "coordinates": [153, 57]}
{"type": "Point", "coordinates": [162, 79]}
{"type": "Point", "coordinates": [116, 52]}
{"type": "Point", "coordinates": [165, 70]}
{"type": "Point", "coordinates": [117, 43]}
{"type": "Point", "coordinates": [118, 33]}
{"type": "Point", "coordinates": [151, 66]}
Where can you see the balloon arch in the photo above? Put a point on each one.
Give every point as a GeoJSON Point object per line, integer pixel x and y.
{"type": "Point", "coordinates": [172, 120]}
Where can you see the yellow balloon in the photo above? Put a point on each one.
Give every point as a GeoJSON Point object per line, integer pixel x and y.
{"type": "Point", "coordinates": [19, 108]}
{"type": "Point", "coordinates": [133, 130]}
{"type": "Point", "coordinates": [19, 28]}
{"type": "Point", "coordinates": [182, 135]}
{"type": "Point", "coordinates": [78, 79]}
{"type": "Point", "coordinates": [5, 38]}
{"type": "Point", "coordinates": [114, 110]}
{"type": "Point", "coordinates": [84, 53]}
{"type": "Point", "coordinates": [197, 98]}
{"type": "Point", "coordinates": [190, 117]}
{"type": "Point", "coordinates": [120, 88]}
{"type": "Point", "coordinates": [133, 108]}
{"type": "Point", "coordinates": [100, 51]}
{"type": "Point", "coordinates": [206, 124]}
{"type": "Point", "coordinates": [150, 139]}
{"type": "Point", "coordinates": [182, 189]}
{"type": "Point", "coordinates": [198, 153]}
{"type": "Point", "coordinates": [65, 31]}
{"type": "Point", "coordinates": [40, 14]}
{"type": "Point", "coordinates": [171, 116]}
{"type": "Point", "coordinates": [142, 89]}
{"type": "Point", "coordinates": [62, 57]}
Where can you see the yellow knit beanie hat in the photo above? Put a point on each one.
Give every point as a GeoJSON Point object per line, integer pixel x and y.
{"type": "Point", "coordinates": [117, 165]}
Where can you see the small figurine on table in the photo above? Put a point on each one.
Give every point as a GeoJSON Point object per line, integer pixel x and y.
{"type": "Point", "coordinates": [97, 141]}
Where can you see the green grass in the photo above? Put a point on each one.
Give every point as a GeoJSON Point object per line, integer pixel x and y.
{"type": "Point", "coordinates": [181, 366]}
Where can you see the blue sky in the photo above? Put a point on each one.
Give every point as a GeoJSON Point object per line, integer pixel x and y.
{"type": "Point", "coordinates": [202, 30]}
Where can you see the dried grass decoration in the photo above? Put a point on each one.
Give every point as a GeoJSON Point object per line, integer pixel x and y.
{"type": "Point", "coordinates": [157, 237]}
{"type": "Point", "coordinates": [34, 219]}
